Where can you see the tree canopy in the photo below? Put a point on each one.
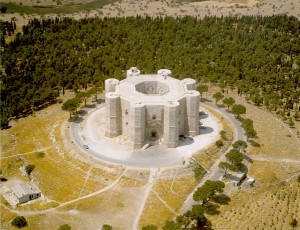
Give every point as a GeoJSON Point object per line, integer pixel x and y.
{"type": "Point", "coordinates": [209, 188]}
{"type": "Point", "coordinates": [235, 157]}
{"type": "Point", "coordinates": [259, 56]}
{"type": "Point", "coordinates": [238, 109]}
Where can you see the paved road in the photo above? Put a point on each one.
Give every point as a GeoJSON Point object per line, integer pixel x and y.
{"type": "Point", "coordinates": [215, 173]}
{"type": "Point", "coordinates": [239, 132]}
{"type": "Point", "coordinates": [74, 126]}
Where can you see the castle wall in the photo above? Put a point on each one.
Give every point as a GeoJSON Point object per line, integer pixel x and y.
{"type": "Point", "coordinates": [112, 114]}
{"type": "Point", "coordinates": [125, 108]}
{"type": "Point", "coordinates": [182, 115]}
{"type": "Point", "coordinates": [137, 122]}
{"type": "Point", "coordinates": [171, 111]}
{"type": "Point", "coordinates": [192, 105]}
{"type": "Point", "coordinates": [154, 121]}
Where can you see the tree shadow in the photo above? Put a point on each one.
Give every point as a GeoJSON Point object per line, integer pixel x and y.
{"type": "Point", "coordinates": [243, 168]}
{"type": "Point", "coordinates": [254, 143]}
{"type": "Point", "coordinates": [221, 199]}
{"type": "Point", "coordinates": [247, 158]}
{"type": "Point", "coordinates": [100, 100]}
{"type": "Point", "coordinates": [82, 112]}
{"type": "Point", "coordinates": [76, 119]}
{"type": "Point", "coordinates": [91, 106]}
{"type": "Point", "coordinates": [205, 100]}
{"type": "Point", "coordinates": [212, 209]}
{"type": "Point", "coordinates": [221, 106]}
{"type": "Point", "coordinates": [6, 127]}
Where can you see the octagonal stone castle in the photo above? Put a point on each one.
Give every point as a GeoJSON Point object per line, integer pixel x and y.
{"type": "Point", "coordinates": [151, 108]}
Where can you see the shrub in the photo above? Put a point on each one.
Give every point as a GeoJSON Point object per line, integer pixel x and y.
{"type": "Point", "coordinates": [40, 154]}
{"type": "Point", "coordinates": [294, 223]}
{"type": "Point", "coordinates": [149, 227]}
{"type": "Point", "coordinates": [29, 169]}
{"type": "Point", "coordinates": [106, 227]}
{"type": "Point", "coordinates": [64, 227]}
{"type": "Point", "coordinates": [219, 143]}
{"type": "Point", "coordinates": [223, 135]}
{"type": "Point", "coordinates": [198, 172]}
{"type": "Point", "coordinates": [19, 222]}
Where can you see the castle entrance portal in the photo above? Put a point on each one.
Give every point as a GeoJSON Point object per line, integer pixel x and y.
{"type": "Point", "coordinates": [153, 134]}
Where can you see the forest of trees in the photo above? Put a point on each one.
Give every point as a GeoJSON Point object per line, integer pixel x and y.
{"type": "Point", "coordinates": [259, 56]}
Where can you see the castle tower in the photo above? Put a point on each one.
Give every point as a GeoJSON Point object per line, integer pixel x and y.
{"type": "Point", "coordinates": [171, 111]}
{"type": "Point", "coordinates": [133, 72]}
{"type": "Point", "coordinates": [137, 122]}
{"type": "Point", "coordinates": [192, 106]}
{"type": "Point", "coordinates": [112, 114]}
{"type": "Point", "coordinates": [111, 85]}
{"type": "Point", "coordinates": [190, 83]}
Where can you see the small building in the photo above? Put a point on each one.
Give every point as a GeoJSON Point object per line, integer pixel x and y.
{"type": "Point", "coordinates": [26, 192]}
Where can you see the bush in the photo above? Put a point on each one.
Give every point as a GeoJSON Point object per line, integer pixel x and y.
{"type": "Point", "coordinates": [149, 227]}
{"type": "Point", "coordinates": [294, 223]}
{"type": "Point", "coordinates": [106, 227]}
{"type": "Point", "coordinates": [219, 143]}
{"type": "Point", "coordinates": [64, 227]}
{"type": "Point", "coordinates": [19, 222]}
{"type": "Point", "coordinates": [29, 169]}
{"type": "Point", "coordinates": [223, 135]}
{"type": "Point", "coordinates": [198, 172]}
{"type": "Point", "coordinates": [40, 154]}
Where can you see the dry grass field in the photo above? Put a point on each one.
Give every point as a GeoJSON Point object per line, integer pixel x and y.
{"type": "Point", "coordinates": [271, 204]}
{"type": "Point", "coordinates": [207, 157]}
{"type": "Point", "coordinates": [167, 196]}
{"type": "Point", "coordinates": [59, 172]}
{"type": "Point", "coordinates": [274, 200]}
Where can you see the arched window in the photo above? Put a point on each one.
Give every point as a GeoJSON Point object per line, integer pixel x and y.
{"type": "Point", "coordinates": [126, 112]}
{"type": "Point", "coordinates": [154, 117]}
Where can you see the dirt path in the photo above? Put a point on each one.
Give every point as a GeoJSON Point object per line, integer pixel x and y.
{"type": "Point", "coordinates": [164, 203]}
{"type": "Point", "coordinates": [35, 151]}
{"type": "Point", "coordinates": [86, 179]}
{"type": "Point", "coordinates": [151, 181]}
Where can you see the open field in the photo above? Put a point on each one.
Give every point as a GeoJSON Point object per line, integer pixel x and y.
{"type": "Point", "coordinates": [61, 176]}
{"type": "Point", "coordinates": [274, 136]}
{"type": "Point", "coordinates": [168, 195]}
{"type": "Point", "coordinates": [274, 200]}
{"type": "Point", "coordinates": [271, 204]}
